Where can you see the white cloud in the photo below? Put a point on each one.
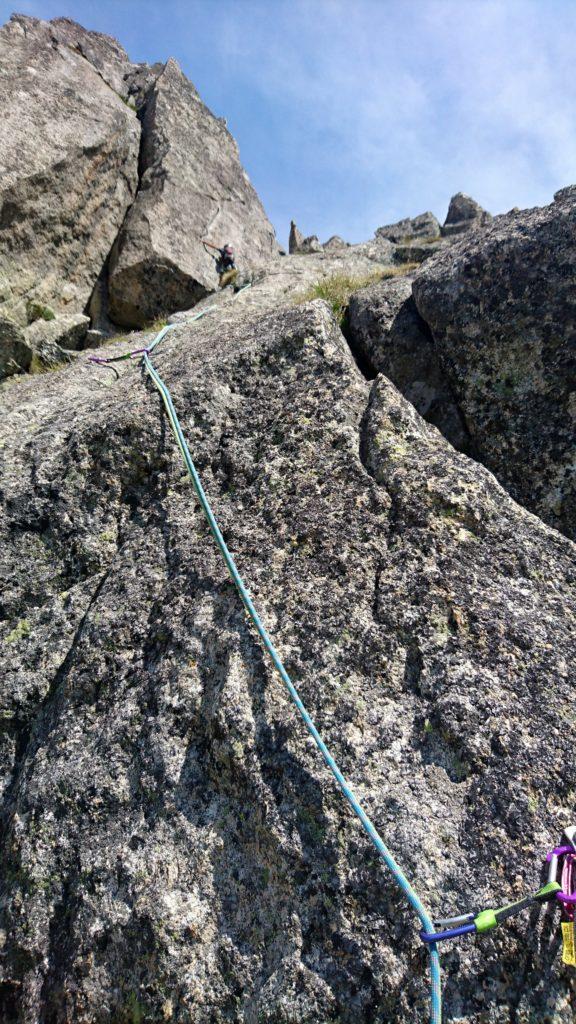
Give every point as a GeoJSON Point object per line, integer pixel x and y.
{"type": "Point", "coordinates": [365, 111]}
{"type": "Point", "coordinates": [430, 96]}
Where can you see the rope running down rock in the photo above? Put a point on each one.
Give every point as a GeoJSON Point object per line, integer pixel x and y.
{"type": "Point", "coordinates": [369, 828]}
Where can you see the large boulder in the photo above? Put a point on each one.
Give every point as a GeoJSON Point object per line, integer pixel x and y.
{"type": "Point", "coordinates": [388, 336]}
{"type": "Point", "coordinates": [67, 330]}
{"type": "Point", "coordinates": [501, 305]}
{"type": "Point", "coordinates": [334, 243]}
{"type": "Point", "coordinates": [464, 214]}
{"type": "Point", "coordinates": [425, 225]}
{"type": "Point", "coordinates": [311, 244]}
{"type": "Point", "coordinates": [192, 187]}
{"type": "Point", "coordinates": [371, 315]}
{"type": "Point", "coordinates": [68, 163]}
{"type": "Point", "coordinates": [171, 844]}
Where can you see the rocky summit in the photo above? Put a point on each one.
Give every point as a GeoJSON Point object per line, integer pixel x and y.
{"type": "Point", "coordinates": [387, 444]}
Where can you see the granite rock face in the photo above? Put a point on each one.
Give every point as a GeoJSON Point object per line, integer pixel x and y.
{"type": "Point", "coordinates": [107, 57]}
{"type": "Point", "coordinates": [464, 213]}
{"type": "Point", "coordinates": [388, 336]}
{"type": "Point", "coordinates": [501, 305]}
{"type": "Point", "coordinates": [192, 187]}
{"type": "Point", "coordinates": [172, 847]}
{"type": "Point", "coordinates": [68, 164]}
{"type": "Point", "coordinates": [15, 354]}
{"type": "Point", "coordinates": [110, 175]}
{"type": "Point", "coordinates": [311, 244]}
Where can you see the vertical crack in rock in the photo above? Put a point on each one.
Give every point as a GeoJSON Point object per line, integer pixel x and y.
{"type": "Point", "coordinates": [139, 88]}
{"type": "Point", "coordinates": [361, 357]}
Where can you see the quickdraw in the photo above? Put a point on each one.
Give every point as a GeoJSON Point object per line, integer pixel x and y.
{"type": "Point", "coordinates": [104, 360]}
{"type": "Point", "coordinates": [141, 352]}
{"type": "Point", "coordinates": [485, 920]}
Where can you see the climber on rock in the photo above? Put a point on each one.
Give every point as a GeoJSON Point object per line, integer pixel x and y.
{"type": "Point", "coordinates": [225, 265]}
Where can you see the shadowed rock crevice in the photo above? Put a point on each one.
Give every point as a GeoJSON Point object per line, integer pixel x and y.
{"type": "Point", "coordinates": [359, 353]}
{"type": "Point", "coordinates": [139, 89]}
{"type": "Point", "coordinates": [387, 335]}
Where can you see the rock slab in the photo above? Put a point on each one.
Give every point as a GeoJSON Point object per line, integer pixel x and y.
{"type": "Point", "coordinates": [501, 305]}
{"type": "Point", "coordinates": [172, 847]}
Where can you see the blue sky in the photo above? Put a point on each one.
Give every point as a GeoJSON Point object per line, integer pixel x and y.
{"type": "Point", "coordinates": [350, 114]}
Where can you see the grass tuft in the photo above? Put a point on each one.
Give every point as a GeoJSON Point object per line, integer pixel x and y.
{"type": "Point", "coordinates": [156, 325]}
{"type": "Point", "coordinates": [336, 290]}
{"type": "Point", "coordinates": [38, 365]}
{"type": "Point", "coordinates": [38, 311]}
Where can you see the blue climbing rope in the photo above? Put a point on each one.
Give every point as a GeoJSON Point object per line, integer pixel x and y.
{"type": "Point", "coordinates": [383, 851]}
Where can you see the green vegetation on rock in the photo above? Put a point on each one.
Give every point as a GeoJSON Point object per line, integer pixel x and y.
{"type": "Point", "coordinates": [20, 632]}
{"type": "Point", "coordinates": [336, 290]}
{"type": "Point", "coordinates": [38, 311]}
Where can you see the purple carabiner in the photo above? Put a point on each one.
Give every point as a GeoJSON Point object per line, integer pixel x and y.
{"type": "Point", "coordinates": [553, 859]}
